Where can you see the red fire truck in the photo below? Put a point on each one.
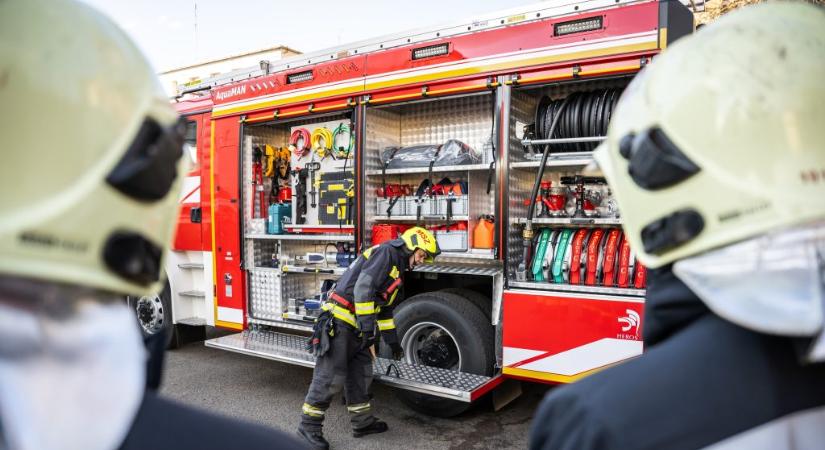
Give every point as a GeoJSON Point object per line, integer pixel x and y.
{"type": "Point", "coordinates": [478, 130]}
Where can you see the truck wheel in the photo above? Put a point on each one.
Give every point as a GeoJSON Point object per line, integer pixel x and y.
{"type": "Point", "coordinates": [154, 314]}
{"type": "Point", "coordinates": [441, 329]}
{"type": "Point", "coordinates": [482, 302]}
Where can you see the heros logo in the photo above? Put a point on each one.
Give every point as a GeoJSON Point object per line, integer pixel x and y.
{"type": "Point", "coordinates": [629, 322]}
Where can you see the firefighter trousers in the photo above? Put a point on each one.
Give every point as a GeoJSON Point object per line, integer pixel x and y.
{"type": "Point", "coordinates": [344, 366]}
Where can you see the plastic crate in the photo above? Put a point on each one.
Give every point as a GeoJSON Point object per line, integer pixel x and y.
{"type": "Point", "coordinates": [460, 204]}
{"type": "Point", "coordinates": [398, 209]}
{"type": "Point", "coordinates": [452, 241]}
{"type": "Point", "coordinates": [257, 226]}
{"type": "Point", "coordinates": [429, 206]}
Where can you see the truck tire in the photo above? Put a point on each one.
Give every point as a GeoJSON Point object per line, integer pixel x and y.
{"type": "Point", "coordinates": [482, 302]}
{"type": "Point", "coordinates": [154, 314]}
{"type": "Point", "coordinates": [444, 330]}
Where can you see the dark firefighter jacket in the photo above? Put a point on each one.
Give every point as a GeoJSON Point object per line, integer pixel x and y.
{"type": "Point", "coordinates": [702, 381]}
{"type": "Point", "coordinates": [365, 294]}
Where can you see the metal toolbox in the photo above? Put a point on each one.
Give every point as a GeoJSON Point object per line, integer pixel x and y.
{"type": "Point", "coordinates": [452, 241]}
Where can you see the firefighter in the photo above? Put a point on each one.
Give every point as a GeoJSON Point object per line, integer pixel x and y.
{"type": "Point", "coordinates": [716, 155]}
{"type": "Point", "coordinates": [359, 308]}
{"type": "Point", "coordinates": [91, 156]}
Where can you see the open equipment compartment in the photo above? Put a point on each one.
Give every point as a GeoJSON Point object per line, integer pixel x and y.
{"type": "Point", "coordinates": [566, 200]}
{"type": "Point", "coordinates": [288, 265]}
{"type": "Point", "coordinates": [391, 193]}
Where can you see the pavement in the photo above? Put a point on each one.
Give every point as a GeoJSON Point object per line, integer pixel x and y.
{"type": "Point", "coordinates": [271, 393]}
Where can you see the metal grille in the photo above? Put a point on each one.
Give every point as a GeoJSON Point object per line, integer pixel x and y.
{"type": "Point", "coordinates": [265, 300]}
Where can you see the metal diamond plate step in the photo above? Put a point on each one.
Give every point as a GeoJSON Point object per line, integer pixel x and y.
{"type": "Point", "coordinates": [288, 348]}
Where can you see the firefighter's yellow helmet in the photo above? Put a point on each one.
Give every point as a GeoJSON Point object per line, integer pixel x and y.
{"type": "Point", "coordinates": [721, 138]}
{"type": "Point", "coordinates": [421, 238]}
{"type": "Point", "coordinates": [91, 151]}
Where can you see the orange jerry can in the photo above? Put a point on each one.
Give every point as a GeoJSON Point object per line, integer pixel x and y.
{"type": "Point", "coordinates": [483, 233]}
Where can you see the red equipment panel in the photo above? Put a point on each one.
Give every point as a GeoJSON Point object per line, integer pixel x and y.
{"type": "Point", "coordinates": [193, 221]}
{"type": "Point", "coordinates": [230, 307]}
{"type": "Point", "coordinates": [560, 337]}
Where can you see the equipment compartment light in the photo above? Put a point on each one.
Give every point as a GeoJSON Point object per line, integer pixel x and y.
{"type": "Point", "coordinates": [578, 26]}
{"type": "Point", "coordinates": [299, 77]}
{"type": "Point", "coordinates": [430, 51]}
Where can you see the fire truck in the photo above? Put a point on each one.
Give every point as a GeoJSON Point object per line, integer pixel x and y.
{"type": "Point", "coordinates": [478, 130]}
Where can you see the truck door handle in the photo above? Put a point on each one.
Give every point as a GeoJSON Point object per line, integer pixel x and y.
{"type": "Point", "coordinates": [195, 215]}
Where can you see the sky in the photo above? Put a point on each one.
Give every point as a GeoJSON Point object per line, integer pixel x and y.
{"type": "Point", "coordinates": [170, 36]}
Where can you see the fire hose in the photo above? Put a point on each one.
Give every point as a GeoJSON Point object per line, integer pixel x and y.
{"type": "Point", "coordinates": [527, 234]}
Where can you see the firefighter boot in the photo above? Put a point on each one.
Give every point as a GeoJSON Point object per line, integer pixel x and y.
{"type": "Point", "coordinates": [315, 438]}
{"type": "Point", "coordinates": [376, 427]}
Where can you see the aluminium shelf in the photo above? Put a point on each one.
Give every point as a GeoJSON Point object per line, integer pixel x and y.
{"type": "Point", "coordinates": [577, 288]}
{"type": "Point", "coordinates": [572, 159]}
{"type": "Point", "coordinates": [426, 169]}
{"type": "Point", "coordinates": [423, 218]}
{"type": "Point", "coordinates": [573, 221]}
{"type": "Point", "coordinates": [471, 254]}
{"type": "Point", "coordinates": [314, 270]}
{"type": "Point", "coordinates": [304, 237]}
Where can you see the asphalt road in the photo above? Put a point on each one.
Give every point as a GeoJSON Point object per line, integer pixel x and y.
{"type": "Point", "coordinates": [272, 393]}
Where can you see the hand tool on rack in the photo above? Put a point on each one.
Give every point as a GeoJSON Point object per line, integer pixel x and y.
{"type": "Point", "coordinates": [300, 176]}
{"type": "Point", "coordinates": [258, 200]}
{"type": "Point", "coordinates": [313, 168]}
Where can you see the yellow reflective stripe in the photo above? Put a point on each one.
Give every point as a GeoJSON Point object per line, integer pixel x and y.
{"type": "Point", "coordinates": [312, 411]}
{"type": "Point", "coordinates": [392, 297]}
{"type": "Point", "coordinates": [342, 314]}
{"type": "Point", "coordinates": [394, 272]}
{"type": "Point", "coordinates": [364, 308]}
{"type": "Point", "coordinates": [368, 252]}
{"type": "Point", "coordinates": [359, 408]}
{"type": "Point", "coordinates": [386, 324]}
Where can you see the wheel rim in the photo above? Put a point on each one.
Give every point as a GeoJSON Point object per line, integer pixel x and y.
{"type": "Point", "coordinates": [430, 344]}
{"type": "Point", "coordinates": [150, 313]}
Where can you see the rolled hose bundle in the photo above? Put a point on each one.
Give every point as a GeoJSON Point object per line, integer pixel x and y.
{"type": "Point", "coordinates": [587, 114]}
{"type": "Point", "coordinates": [343, 129]}
{"type": "Point", "coordinates": [318, 135]}
{"type": "Point", "coordinates": [301, 134]}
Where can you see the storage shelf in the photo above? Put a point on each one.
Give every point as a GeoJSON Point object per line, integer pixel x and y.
{"type": "Point", "coordinates": [573, 222]}
{"type": "Point", "coordinates": [572, 159]}
{"type": "Point", "coordinates": [304, 237]}
{"type": "Point", "coordinates": [280, 323]}
{"type": "Point", "coordinates": [471, 254]}
{"type": "Point", "coordinates": [423, 218]}
{"type": "Point", "coordinates": [314, 270]}
{"type": "Point", "coordinates": [577, 288]}
{"type": "Point", "coordinates": [299, 318]}
{"type": "Point", "coordinates": [426, 169]}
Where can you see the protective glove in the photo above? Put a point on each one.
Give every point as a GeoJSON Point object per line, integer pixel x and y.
{"type": "Point", "coordinates": [367, 339]}
{"type": "Point", "coordinates": [397, 351]}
